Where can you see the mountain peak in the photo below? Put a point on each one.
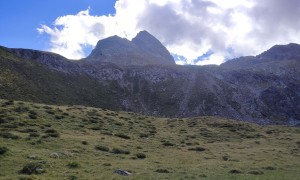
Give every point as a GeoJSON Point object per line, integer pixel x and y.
{"type": "Point", "coordinates": [144, 34]}
{"type": "Point", "coordinates": [144, 49]}
{"type": "Point", "coordinates": [282, 52]}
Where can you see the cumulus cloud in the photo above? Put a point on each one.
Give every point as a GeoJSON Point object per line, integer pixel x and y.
{"type": "Point", "coordinates": [188, 28]}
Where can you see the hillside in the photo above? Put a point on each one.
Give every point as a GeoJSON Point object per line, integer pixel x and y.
{"type": "Point", "coordinates": [39, 141]}
{"type": "Point", "coordinates": [262, 89]}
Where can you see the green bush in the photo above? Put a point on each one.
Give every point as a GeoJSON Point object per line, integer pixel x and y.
{"type": "Point", "coordinates": [59, 117]}
{"type": "Point", "coordinates": [168, 144]}
{"type": "Point", "coordinates": [197, 149]}
{"type": "Point", "coordinates": [72, 177]}
{"type": "Point", "coordinates": [21, 109]}
{"type": "Point", "coordinates": [120, 151]}
{"type": "Point", "coordinates": [3, 150]}
{"type": "Point", "coordinates": [2, 120]}
{"type": "Point", "coordinates": [9, 102]}
{"type": "Point", "coordinates": [235, 171]}
{"type": "Point", "coordinates": [107, 133]}
{"type": "Point", "coordinates": [50, 111]}
{"type": "Point", "coordinates": [34, 134]}
{"type": "Point", "coordinates": [124, 136]}
{"type": "Point", "coordinates": [8, 135]}
{"type": "Point", "coordinates": [162, 171]}
{"type": "Point", "coordinates": [51, 133]}
{"type": "Point", "coordinates": [11, 118]}
{"type": "Point", "coordinates": [47, 107]}
{"type": "Point", "coordinates": [32, 116]}
{"type": "Point", "coordinates": [142, 135]}
{"type": "Point", "coordinates": [141, 155]}
{"type": "Point", "coordinates": [32, 112]}
{"type": "Point", "coordinates": [102, 148]}
{"type": "Point", "coordinates": [269, 168]}
{"type": "Point", "coordinates": [256, 172]}
{"type": "Point", "coordinates": [106, 164]}
{"type": "Point", "coordinates": [84, 143]}
{"type": "Point", "coordinates": [32, 168]}
{"type": "Point", "coordinates": [73, 165]}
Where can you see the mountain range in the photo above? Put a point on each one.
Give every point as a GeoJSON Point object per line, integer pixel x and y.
{"type": "Point", "coordinates": [141, 76]}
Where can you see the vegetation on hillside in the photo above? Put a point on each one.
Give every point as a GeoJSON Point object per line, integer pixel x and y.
{"type": "Point", "coordinates": [39, 141]}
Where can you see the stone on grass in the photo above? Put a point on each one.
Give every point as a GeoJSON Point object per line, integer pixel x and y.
{"type": "Point", "coordinates": [122, 172]}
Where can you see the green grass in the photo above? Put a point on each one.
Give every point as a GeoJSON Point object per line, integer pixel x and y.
{"type": "Point", "coordinates": [91, 143]}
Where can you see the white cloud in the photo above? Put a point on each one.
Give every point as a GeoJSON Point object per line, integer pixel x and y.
{"type": "Point", "coordinates": [212, 59]}
{"type": "Point", "coordinates": [189, 28]}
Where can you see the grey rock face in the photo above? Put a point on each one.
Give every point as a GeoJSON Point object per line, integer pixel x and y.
{"type": "Point", "coordinates": [144, 49]}
{"type": "Point", "coordinates": [151, 46]}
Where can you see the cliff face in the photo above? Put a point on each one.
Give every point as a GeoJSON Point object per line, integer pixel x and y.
{"type": "Point", "coordinates": [262, 89]}
{"type": "Point", "coordinates": [144, 49]}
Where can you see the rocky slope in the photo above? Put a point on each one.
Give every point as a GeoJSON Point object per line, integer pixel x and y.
{"type": "Point", "coordinates": [262, 89]}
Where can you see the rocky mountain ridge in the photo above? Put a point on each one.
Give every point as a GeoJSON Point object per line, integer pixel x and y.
{"type": "Point", "coordinates": [257, 89]}
{"type": "Point", "coordinates": [144, 49]}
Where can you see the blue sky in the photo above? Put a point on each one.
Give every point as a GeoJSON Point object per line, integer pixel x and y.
{"type": "Point", "coordinates": [196, 32]}
{"type": "Point", "coordinates": [20, 19]}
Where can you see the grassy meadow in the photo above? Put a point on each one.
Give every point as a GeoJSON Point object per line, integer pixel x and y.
{"type": "Point", "coordinates": [39, 141]}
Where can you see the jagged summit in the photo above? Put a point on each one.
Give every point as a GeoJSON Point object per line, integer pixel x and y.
{"type": "Point", "coordinates": [144, 49]}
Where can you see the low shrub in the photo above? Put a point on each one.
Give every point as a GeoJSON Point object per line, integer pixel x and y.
{"type": "Point", "coordinates": [10, 118]}
{"type": "Point", "coordinates": [162, 171]}
{"type": "Point", "coordinates": [9, 102]}
{"type": "Point", "coordinates": [32, 112]}
{"type": "Point", "coordinates": [21, 109]}
{"type": "Point", "coordinates": [225, 158]}
{"type": "Point", "coordinates": [3, 150]}
{"type": "Point", "coordinates": [144, 135]}
{"type": "Point", "coordinates": [124, 136]}
{"type": "Point", "coordinates": [102, 148]}
{"type": "Point", "coordinates": [72, 177]}
{"type": "Point", "coordinates": [28, 130]}
{"type": "Point", "coordinates": [34, 134]}
{"type": "Point", "coordinates": [32, 168]}
{"type": "Point", "coordinates": [197, 149]}
{"type": "Point", "coordinates": [84, 143]}
{"type": "Point", "coordinates": [107, 133]}
{"type": "Point", "coordinates": [32, 116]}
{"type": "Point", "coordinates": [50, 112]}
{"type": "Point", "coordinates": [51, 133]}
{"type": "Point", "coordinates": [47, 107]}
{"type": "Point", "coordinates": [59, 117]}
{"type": "Point", "coordinates": [73, 165]}
{"type": "Point", "coordinates": [96, 128]}
{"type": "Point", "coordinates": [106, 164]}
{"type": "Point", "coordinates": [120, 151]}
{"type": "Point", "coordinates": [256, 172]}
{"type": "Point", "coordinates": [8, 135]}
{"type": "Point", "coordinates": [235, 171]}
{"type": "Point", "coordinates": [141, 155]}
{"type": "Point", "coordinates": [2, 120]}
{"type": "Point", "coordinates": [269, 168]}
{"type": "Point", "coordinates": [168, 144]}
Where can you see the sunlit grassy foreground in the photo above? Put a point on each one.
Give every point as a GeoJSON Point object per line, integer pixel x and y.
{"type": "Point", "coordinates": [40, 141]}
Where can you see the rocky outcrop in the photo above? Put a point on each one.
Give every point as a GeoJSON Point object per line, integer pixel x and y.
{"type": "Point", "coordinates": [143, 50]}
{"type": "Point", "coordinates": [153, 48]}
